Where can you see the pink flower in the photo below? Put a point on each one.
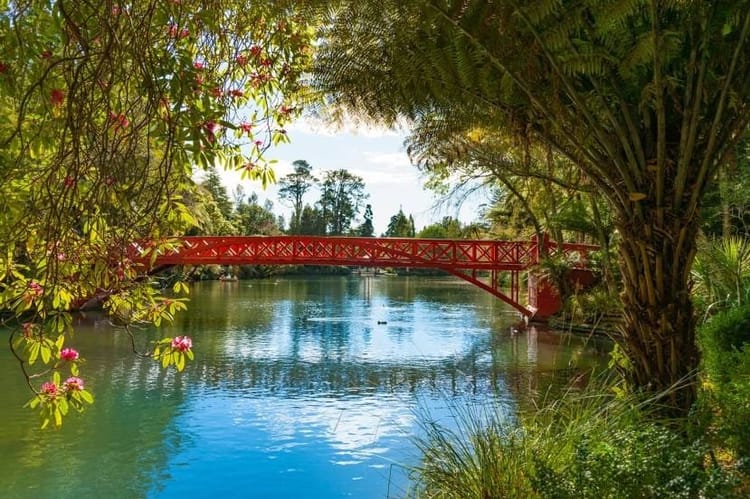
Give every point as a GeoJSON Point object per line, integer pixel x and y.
{"type": "Point", "coordinates": [182, 343]}
{"type": "Point", "coordinates": [69, 354]}
{"type": "Point", "coordinates": [255, 50]}
{"type": "Point", "coordinates": [172, 31]}
{"type": "Point", "coordinates": [241, 59]}
{"type": "Point", "coordinates": [184, 33]}
{"type": "Point", "coordinates": [57, 97]}
{"type": "Point", "coordinates": [28, 328]}
{"type": "Point", "coordinates": [119, 120]}
{"type": "Point", "coordinates": [211, 128]}
{"type": "Point", "coordinates": [246, 127]}
{"type": "Point", "coordinates": [49, 389]}
{"type": "Point", "coordinates": [35, 288]}
{"type": "Point", "coordinates": [199, 65]}
{"type": "Point", "coordinates": [73, 384]}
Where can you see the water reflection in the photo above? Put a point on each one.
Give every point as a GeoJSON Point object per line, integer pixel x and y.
{"type": "Point", "coordinates": [300, 388]}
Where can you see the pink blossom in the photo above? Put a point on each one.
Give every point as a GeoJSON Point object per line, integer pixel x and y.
{"type": "Point", "coordinates": [246, 127]}
{"type": "Point", "coordinates": [57, 97]}
{"type": "Point", "coordinates": [69, 354]}
{"type": "Point", "coordinates": [241, 59]}
{"type": "Point", "coordinates": [182, 343]}
{"type": "Point", "coordinates": [255, 50]}
{"type": "Point", "coordinates": [28, 328]}
{"type": "Point", "coordinates": [199, 65]}
{"type": "Point", "coordinates": [49, 389]}
{"type": "Point", "coordinates": [172, 31]}
{"type": "Point", "coordinates": [35, 288]}
{"type": "Point", "coordinates": [211, 128]}
{"type": "Point", "coordinates": [73, 384]}
{"type": "Point", "coordinates": [184, 33]}
{"type": "Point", "coordinates": [119, 120]}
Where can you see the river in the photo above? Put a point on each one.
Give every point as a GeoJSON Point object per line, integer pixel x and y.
{"type": "Point", "coordinates": [303, 387]}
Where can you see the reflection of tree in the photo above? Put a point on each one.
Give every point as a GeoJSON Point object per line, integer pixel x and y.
{"type": "Point", "coordinates": [122, 435]}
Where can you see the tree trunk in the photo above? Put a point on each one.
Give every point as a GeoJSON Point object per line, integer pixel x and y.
{"type": "Point", "coordinates": [658, 330]}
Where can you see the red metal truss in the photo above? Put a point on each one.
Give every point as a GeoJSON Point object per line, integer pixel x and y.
{"type": "Point", "coordinates": [461, 258]}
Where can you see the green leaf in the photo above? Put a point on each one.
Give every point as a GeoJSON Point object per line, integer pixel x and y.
{"type": "Point", "coordinates": [46, 353]}
{"type": "Point", "coordinates": [86, 396]}
{"type": "Point", "coordinates": [33, 352]}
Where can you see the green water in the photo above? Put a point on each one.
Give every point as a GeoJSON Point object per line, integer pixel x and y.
{"type": "Point", "coordinates": [304, 387]}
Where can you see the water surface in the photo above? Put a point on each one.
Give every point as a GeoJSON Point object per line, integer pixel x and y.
{"type": "Point", "coordinates": [301, 387]}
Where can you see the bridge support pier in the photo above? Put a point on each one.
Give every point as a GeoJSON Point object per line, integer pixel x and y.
{"type": "Point", "coordinates": [544, 297]}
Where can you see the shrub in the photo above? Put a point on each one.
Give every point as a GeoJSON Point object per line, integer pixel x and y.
{"type": "Point", "coordinates": [588, 443]}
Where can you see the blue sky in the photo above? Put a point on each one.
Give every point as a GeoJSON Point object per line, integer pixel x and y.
{"type": "Point", "coordinates": [377, 155]}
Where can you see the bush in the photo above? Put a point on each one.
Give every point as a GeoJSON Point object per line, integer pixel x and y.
{"type": "Point", "coordinates": [722, 337]}
{"type": "Point", "coordinates": [586, 444]}
{"type": "Point", "coordinates": [645, 460]}
{"type": "Point", "coordinates": [725, 344]}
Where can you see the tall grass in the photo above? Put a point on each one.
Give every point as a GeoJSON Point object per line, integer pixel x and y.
{"type": "Point", "coordinates": [587, 443]}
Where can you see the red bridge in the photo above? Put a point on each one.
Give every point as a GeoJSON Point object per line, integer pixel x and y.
{"type": "Point", "coordinates": [462, 258]}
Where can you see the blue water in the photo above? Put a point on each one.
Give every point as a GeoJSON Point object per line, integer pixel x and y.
{"type": "Point", "coordinates": [300, 388]}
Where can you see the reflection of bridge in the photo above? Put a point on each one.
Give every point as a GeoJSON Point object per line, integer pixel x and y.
{"type": "Point", "coordinates": [462, 258]}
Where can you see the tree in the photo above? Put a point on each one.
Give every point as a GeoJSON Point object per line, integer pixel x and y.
{"type": "Point", "coordinates": [341, 196]}
{"type": "Point", "coordinates": [212, 183]}
{"type": "Point", "coordinates": [400, 225]}
{"type": "Point", "coordinates": [105, 110]}
{"type": "Point", "coordinates": [447, 228]}
{"type": "Point", "coordinates": [253, 219]}
{"type": "Point", "coordinates": [293, 187]}
{"type": "Point", "coordinates": [367, 229]}
{"type": "Point", "coordinates": [312, 222]}
{"type": "Point", "coordinates": [647, 98]}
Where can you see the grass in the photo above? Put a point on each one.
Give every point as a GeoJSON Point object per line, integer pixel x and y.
{"type": "Point", "coordinates": [590, 442]}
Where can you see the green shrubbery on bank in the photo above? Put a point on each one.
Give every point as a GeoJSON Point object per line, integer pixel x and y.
{"type": "Point", "coordinates": [587, 444]}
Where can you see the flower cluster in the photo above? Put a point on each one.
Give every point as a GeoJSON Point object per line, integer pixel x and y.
{"type": "Point", "coordinates": [73, 384]}
{"type": "Point", "coordinates": [49, 389]}
{"type": "Point", "coordinates": [69, 354]}
{"type": "Point", "coordinates": [182, 343]}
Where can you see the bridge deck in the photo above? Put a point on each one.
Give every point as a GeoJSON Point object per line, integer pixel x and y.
{"type": "Point", "coordinates": [461, 258]}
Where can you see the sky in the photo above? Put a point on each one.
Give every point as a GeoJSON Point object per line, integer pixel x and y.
{"type": "Point", "coordinates": [377, 155]}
